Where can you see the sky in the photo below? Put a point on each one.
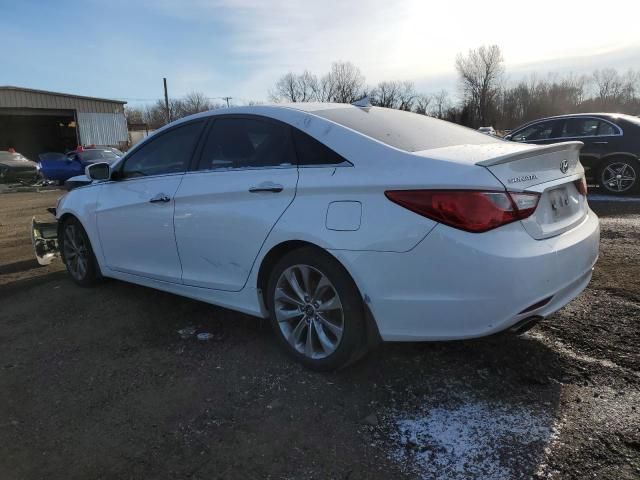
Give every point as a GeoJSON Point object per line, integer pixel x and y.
{"type": "Point", "coordinates": [122, 49]}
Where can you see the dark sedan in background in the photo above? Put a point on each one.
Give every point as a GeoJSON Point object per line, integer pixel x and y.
{"type": "Point", "coordinates": [16, 168]}
{"type": "Point", "coordinates": [611, 152]}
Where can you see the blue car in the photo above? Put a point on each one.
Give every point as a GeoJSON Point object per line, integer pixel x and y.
{"type": "Point", "coordinates": [59, 167]}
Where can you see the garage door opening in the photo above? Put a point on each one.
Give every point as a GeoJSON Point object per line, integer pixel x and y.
{"type": "Point", "coordinates": [34, 131]}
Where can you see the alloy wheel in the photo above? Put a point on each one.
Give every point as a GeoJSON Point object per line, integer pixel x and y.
{"type": "Point", "coordinates": [618, 177]}
{"type": "Point", "coordinates": [76, 253]}
{"type": "Point", "coordinates": [309, 311]}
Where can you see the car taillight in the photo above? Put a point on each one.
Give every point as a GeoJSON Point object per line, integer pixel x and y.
{"type": "Point", "coordinates": [581, 185]}
{"type": "Point", "coordinates": [469, 210]}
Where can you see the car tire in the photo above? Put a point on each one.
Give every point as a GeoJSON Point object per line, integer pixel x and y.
{"type": "Point", "coordinates": [77, 253]}
{"type": "Point", "coordinates": [619, 176]}
{"type": "Point", "coordinates": [316, 310]}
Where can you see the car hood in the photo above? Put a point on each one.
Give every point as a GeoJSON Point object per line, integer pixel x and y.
{"type": "Point", "coordinates": [12, 162]}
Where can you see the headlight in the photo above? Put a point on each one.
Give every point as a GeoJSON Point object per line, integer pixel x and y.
{"type": "Point", "coordinates": [3, 170]}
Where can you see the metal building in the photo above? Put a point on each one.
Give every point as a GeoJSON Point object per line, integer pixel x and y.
{"type": "Point", "coordinates": [37, 121]}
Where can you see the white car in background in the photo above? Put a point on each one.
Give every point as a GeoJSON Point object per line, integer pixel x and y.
{"type": "Point", "coordinates": [487, 131]}
{"type": "Point", "coordinates": [342, 224]}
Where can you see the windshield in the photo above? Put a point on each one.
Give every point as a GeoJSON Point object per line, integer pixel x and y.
{"type": "Point", "coordinates": [97, 155]}
{"type": "Point", "coordinates": [404, 130]}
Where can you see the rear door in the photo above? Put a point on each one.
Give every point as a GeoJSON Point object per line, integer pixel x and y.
{"type": "Point", "coordinates": [244, 180]}
{"type": "Point", "coordinates": [135, 212]}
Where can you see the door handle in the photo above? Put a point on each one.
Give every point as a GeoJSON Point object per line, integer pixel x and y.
{"type": "Point", "coordinates": [267, 187]}
{"type": "Point", "coordinates": [600, 143]}
{"type": "Point", "coordinates": [161, 197]}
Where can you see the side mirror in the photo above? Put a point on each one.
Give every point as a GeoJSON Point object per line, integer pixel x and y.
{"type": "Point", "coordinates": [98, 171]}
{"type": "Point", "coordinates": [507, 137]}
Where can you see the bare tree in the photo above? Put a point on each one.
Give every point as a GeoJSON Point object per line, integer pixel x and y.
{"type": "Point", "coordinates": [194, 102]}
{"type": "Point", "coordinates": [385, 94]}
{"type": "Point", "coordinates": [295, 88]}
{"type": "Point", "coordinates": [407, 96]}
{"type": "Point", "coordinates": [343, 84]}
{"type": "Point", "coordinates": [396, 94]}
{"type": "Point", "coordinates": [608, 84]}
{"type": "Point", "coordinates": [134, 114]}
{"type": "Point", "coordinates": [440, 104]}
{"type": "Point", "coordinates": [480, 73]}
{"type": "Point", "coordinates": [422, 104]}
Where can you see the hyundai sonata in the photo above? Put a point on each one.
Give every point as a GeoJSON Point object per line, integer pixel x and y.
{"type": "Point", "coordinates": [345, 225]}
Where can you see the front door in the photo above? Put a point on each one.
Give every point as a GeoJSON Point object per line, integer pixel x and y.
{"type": "Point", "coordinates": [135, 211]}
{"type": "Point", "coordinates": [245, 179]}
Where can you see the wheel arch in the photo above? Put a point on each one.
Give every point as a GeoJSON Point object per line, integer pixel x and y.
{"type": "Point", "coordinates": [372, 333]}
{"type": "Point", "coordinates": [614, 155]}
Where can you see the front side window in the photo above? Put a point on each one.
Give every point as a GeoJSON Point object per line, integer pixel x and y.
{"type": "Point", "coordinates": [169, 153]}
{"type": "Point", "coordinates": [312, 152]}
{"type": "Point", "coordinates": [246, 143]}
{"type": "Point", "coordinates": [538, 131]}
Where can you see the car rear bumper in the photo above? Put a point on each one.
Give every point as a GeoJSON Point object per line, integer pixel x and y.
{"type": "Point", "coordinates": [456, 285]}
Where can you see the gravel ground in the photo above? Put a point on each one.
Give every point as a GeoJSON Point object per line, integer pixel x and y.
{"type": "Point", "coordinates": [99, 383]}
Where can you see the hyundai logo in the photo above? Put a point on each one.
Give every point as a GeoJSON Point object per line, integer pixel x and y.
{"type": "Point", "coordinates": [564, 166]}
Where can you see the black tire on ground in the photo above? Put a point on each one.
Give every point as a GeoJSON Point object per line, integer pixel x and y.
{"type": "Point", "coordinates": [626, 168]}
{"type": "Point", "coordinates": [352, 344]}
{"type": "Point", "coordinates": [76, 252]}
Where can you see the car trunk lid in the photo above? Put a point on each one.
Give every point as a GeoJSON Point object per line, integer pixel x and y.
{"type": "Point", "coordinates": [550, 170]}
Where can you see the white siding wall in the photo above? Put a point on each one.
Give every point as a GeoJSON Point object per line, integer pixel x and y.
{"type": "Point", "coordinates": [102, 128]}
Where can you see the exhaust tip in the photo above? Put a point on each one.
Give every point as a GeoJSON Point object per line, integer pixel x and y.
{"type": "Point", "coordinates": [525, 324]}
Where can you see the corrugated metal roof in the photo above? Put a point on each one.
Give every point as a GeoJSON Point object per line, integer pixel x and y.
{"type": "Point", "coordinates": [17, 97]}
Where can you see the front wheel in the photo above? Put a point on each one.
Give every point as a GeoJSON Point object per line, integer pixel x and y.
{"type": "Point", "coordinates": [316, 309]}
{"type": "Point", "coordinates": [619, 176]}
{"type": "Point", "coordinates": [77, 254]}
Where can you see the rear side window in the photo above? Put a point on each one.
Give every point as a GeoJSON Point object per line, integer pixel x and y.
{"type": "Point", "coordinates": [404, 130]}
{"type": "Point", "coordinates": [246, 143]}
{"type": "Point", "coordinates": [169, 153]}
{"type": "Point", "coordinates": [606, 129]}
{"type": "Point", "coordinates": [580, 127]}
{"type": "Point", "coordinates": [312, 152]}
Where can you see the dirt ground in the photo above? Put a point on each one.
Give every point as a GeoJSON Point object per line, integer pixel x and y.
{"type": "Point", "coordinates": [97, 383]}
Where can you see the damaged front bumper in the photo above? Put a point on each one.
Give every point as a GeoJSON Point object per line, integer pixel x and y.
{"type": "Point", "coordinates": [44, 237]}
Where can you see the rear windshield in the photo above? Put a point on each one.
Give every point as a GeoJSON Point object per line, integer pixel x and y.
{"type": "Point", "coordinates": [404, 130]}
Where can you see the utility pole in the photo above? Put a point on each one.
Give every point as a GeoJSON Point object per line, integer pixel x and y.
{"type": "Point", "coordinates": [166, 100]}
{"type": "Point", "coordinates": [227, 99]}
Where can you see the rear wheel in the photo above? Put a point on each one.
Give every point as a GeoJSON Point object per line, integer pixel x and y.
{"type": "Point", "coordinates": [619, 176]}
{"type": "Point", "coordinates": [78, 254]}
{"type": "Point", "coordinates": [316, 309]}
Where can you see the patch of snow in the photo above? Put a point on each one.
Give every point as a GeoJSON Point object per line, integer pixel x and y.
{"type": "Point", "coordinates": [474, 439]}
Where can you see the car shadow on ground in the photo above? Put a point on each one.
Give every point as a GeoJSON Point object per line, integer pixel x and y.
{"type": "Point", "coordinates": [17, 267]}
{"type": "Point", "coordinates": [124, 391]}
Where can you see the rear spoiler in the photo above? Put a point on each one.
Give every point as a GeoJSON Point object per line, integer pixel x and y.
{"type": "Point", "coordinates": [534, 151]}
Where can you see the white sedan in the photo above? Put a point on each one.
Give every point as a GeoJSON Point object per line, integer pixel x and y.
{"type": "Point", "coordinates": [344, 225]}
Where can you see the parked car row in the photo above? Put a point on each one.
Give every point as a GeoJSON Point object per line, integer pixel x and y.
{"type": "Point", "coordinates": [53, 166]}
{"type": "Point", "coordinates": [60, 167]}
